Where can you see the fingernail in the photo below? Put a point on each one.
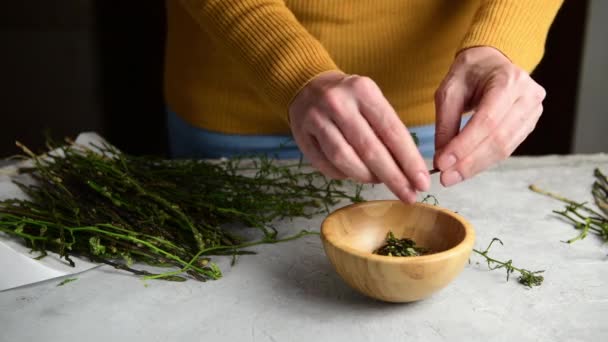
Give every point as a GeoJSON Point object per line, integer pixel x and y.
{"type": "Point", "coordinates": [422, 181]}
{"type": "Point", "coordinates": [451, 177]}
{"type": "Point", "coordinates": [408, 195]}
{"type": "Point", "coordinates": [446, 162]}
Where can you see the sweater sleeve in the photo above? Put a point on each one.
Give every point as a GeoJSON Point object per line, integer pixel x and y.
{"type": "Point", "coordinates": [267, 38]}
{"type": "Point", "coordinates": [518, 28]}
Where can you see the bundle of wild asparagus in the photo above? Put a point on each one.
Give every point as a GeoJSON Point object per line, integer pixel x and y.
{"type": "Point", "coordinates": [583, 217]}
{"type": "Point", "coordinates": [116, 208]}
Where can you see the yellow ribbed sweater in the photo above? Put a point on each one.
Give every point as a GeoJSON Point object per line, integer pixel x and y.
{"type": "Point", "coordinates": [234, 66]}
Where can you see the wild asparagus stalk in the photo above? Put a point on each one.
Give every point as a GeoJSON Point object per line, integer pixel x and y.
{"type": "Point", "coordinates": [526, 277]}
{"type": "Point", "coordinates": [580, 215]}
{"type": "Point", "coordinates": [116, 208]}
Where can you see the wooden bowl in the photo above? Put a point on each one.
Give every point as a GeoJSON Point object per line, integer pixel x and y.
{"type": "Point", "coordinates": [352, 233]}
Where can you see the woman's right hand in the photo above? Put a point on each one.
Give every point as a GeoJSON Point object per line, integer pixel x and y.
{"type": "Point", "coordinates": [347, 129]}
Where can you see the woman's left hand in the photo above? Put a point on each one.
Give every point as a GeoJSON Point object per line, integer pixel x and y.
{"type": "Point", "coordinates": [507, 104]}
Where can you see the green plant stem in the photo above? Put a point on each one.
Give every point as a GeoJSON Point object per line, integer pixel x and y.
{"type": "Point", "coordinates": [217, 248]}
{"type": "Point", "coordinates": [526, 277]}
{"type": "Point", "coordinates": [593, 221]}
{"type": "Point", "coordinates": [118, 209]}
{"type": "Point", "coordinates": [563, 199]}
{"type": "Point", "coordinates": [67, 280]}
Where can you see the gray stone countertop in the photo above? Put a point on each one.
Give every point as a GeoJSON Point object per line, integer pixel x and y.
{"type": "Point", "coordinates": [289, 291]}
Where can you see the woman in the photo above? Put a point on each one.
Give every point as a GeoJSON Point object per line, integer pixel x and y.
{"type": "Point", "coordinates": [349, 80]}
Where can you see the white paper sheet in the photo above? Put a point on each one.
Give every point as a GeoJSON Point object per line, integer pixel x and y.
{"type": "Point", "coordinates": [18, 266]}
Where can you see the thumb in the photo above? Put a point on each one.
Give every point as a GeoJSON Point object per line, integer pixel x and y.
{"type": "Point", "coordinates": [450, 101]}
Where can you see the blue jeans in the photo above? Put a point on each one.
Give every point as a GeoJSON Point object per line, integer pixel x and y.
{"type": "Point", "coordinates": [187, 141]}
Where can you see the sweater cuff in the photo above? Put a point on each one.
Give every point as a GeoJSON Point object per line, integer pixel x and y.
{"type": "Point", "coordinates": [516, 28]}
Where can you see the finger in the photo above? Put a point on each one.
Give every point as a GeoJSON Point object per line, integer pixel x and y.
{"type": "Point", "coordinates": [520, 122]}
{"type": "Point", "coordinates": [311, 150]}
{"type": "Point", "coordinates": [338, 151]}
{"type": "Point", "coordinates": [399, 144]}
{"type": "Point", "coordinates": [450, 101]}
{"type": "Point", "coordinates": [392, 133]}
{"type": "Point", "coordinates": [493, 106]}
{"type": "Point", "coordinates": [369, 148]}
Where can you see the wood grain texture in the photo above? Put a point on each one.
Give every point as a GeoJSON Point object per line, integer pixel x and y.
{"type": "Point", "coordinates": [352, 233]}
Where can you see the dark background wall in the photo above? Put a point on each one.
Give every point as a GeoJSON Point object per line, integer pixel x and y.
{"type": "Point", "coordinates": [73, 65]}
{"type": "Point", "coordinates": [68, 66]}
{"type": "Point", "coordinates": [559, 72]}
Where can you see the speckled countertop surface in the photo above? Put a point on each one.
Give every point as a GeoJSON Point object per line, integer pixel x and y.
{"type": "Point", "coordinates": [289, 292]}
